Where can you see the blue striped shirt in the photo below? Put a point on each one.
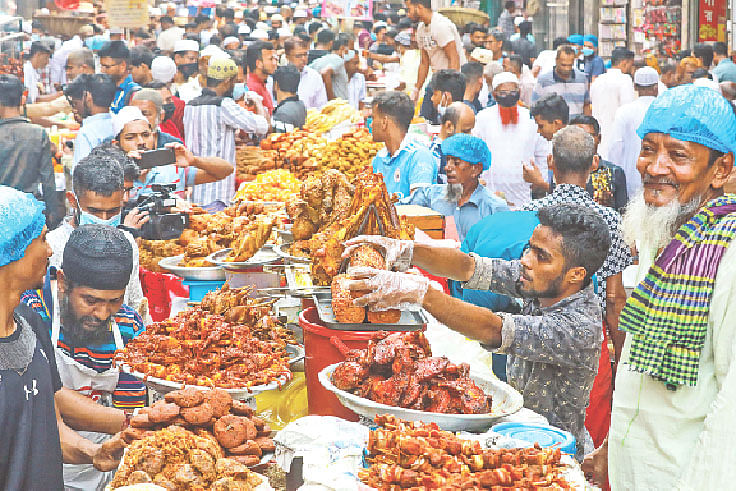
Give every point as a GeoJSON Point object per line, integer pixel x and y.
{"type": "Point", "coordinates": [574, 90]}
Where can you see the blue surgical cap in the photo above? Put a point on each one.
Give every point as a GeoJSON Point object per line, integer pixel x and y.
{"type": "Point", "coordinates": [591, 39]}
{"type": "Point", "coordinates": [575, 39]}
{"type": "Point", "coordinates": [469, 148]}
{"type": "Point", "coordinates": [693, 114]}
{"type": "Point", "coordinates": [21, 221]}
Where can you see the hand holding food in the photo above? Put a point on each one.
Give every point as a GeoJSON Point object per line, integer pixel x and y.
{"type": "Point", "coordinates": [398, 252]}
{"type": "Point", "coordinates": [388, 289]}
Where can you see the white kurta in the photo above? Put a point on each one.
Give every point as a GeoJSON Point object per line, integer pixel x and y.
{"type": "Point", "coordinates": [683, 439]}
{"type": "Point", "coordinates": [510, 147]}
{"type": "Point", "coordinates": [625, 144]}
{"type": "Point", "coordinates": [608, 92]}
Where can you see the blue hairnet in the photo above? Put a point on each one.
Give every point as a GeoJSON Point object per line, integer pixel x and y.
{"type": "Point", "coordinates": [693, 114]}
{"type": "Point", "coordinates": [591, 39]}
{"type": "Point", "coordinates": [575, 39]}
{"type": "Point", "coordinates": [21, 221]}
{"type": "Point", "coordinates": [469, 148]}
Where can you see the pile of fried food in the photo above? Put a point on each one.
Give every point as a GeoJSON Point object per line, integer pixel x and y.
{"type": "Point", "coordinates": [342, 298]}
{"type": "Point", "coordinates": [199, 347]}
{"type": "Point", "coordinates": [177, 459]}
{"type": "Point", "coordinates": [277, 185]}
{"type": "Point", "coordinates": [399, 370]}
{"type": "Point", "coordinates": [416, 455]}
{"type": "Point", "coordinates": [251, 161]}
{"type": "Point", "coordinates": [330, 115]}
{"type": "Point", "coordinates": [331, 210]}
{"type": "Point", "coordinates": [152, 251]}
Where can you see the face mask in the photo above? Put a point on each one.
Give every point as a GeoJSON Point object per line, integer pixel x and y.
{"type": "Point", "coordinates": [239, 91]}
{"type": "Point", "coordinates": [373, 37]}
{"type": "Point", "coordinates": [189, 69]}
{"type": "Point", "coordinates": [35, 37]}
{"type": "Point", "coordinates": [508, 100]}
{"type": "Point", "coordinates": [441, 110]}
{"type": "Point", "coordinates": [84, 218]}
{"type": "Point", "coordinates": [348, 56]}
{"type": "Point", "coordinates": [588, 51]}
{"type": "Point", "coordinates": [169, 109]}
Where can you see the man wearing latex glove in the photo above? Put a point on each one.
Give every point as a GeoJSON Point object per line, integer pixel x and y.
{"type": "Point", "coordinates": [554, 344]}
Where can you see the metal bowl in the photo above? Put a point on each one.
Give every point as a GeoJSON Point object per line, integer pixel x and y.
{"type": "Point", "coordinates": [207, 273]}
{"type": "Point", "coordinates": [506, 401]}
{"type": "Point", "coordinates": [261, 258]}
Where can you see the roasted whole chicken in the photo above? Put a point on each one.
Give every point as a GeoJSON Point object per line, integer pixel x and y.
{"type": "Point", "coordinates": [398, 369]}
{"type": "Point", "coordinates": [416, 455]}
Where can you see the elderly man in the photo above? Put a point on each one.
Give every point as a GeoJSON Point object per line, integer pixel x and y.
{"type": "Point", "coordinates": [463, 197]}
{"type": "Point", "coordinates": [554, 344]}
{"type": "Point", "coordinates": [151, 104]}
{"type": "Point", "coordinates": [88, 323]}
{"type": "Point", "coordinates": [311, 87]}
{"type": "Point", "coordinates": [404, 163]}
{"type": "Point", "coordinates": [675, 397]}
{"type": "Point", "coordinates": [210, 123]}
{"type": "Point", "coordinates": [511, 135]}
{"type": "Point", "coordinates": [566, 81]}
{"type": "Point", "coordinates": [458, 118]}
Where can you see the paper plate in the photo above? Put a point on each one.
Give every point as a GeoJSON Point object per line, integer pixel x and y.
{"type": "Point", "coordinates": [506, 401]}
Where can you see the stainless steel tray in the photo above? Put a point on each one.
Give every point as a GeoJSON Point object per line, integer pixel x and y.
{"type": "Point", "coordinates": [410, 320]}
{"type": "Point", "coordinates": [261, 258]}
{"type": "Point", "coordinates": [208, 273]}
{"type": "Point", "coordinates": [283, 252]}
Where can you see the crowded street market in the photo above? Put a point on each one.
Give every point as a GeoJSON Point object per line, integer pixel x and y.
{"type": "Point", "coordinates": [367, 244]}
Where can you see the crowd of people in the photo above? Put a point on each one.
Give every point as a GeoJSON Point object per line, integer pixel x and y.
{"type": "Point", "coordinates": [560, 170]}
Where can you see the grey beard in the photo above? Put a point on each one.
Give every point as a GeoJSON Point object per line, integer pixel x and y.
{"type": "Point", "coordinates": [655, 226]}
{"type": "Point", "coordinates": [454, 192]}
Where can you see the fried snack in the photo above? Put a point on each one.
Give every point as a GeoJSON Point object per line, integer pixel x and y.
{"type": "Point", "coordinates": [220, 401]}
{"type": "Point", "coordinates": [391, 316]}
{"type": "Point", "coordinates": [368, 256]}
{"type": "Point", "coordinates": [247, 460]}
{"type": "Point", "coordinates": [251, 240]}
{"type": "Point", "coordinates": [163, 412]}
{"type": "Point", "coordinates": [140, 420]}
{"type": "Point", "coordinates": [198, 415]}
{"type": "Point", "coordinates": [187, 397]}
{"type": "Point", "coordinates": [250, 447]}
{"type": "Point", "coordinates": [231, 431]}
{"type": "Point", "coordinates": [265, 444]}
{"type": "Point", "coordinates": [258, 422]}
{"type": "Point", "coordinates": [342, 302]}
{"type": "Point", "coordinates": [231, 468]}
{"type": "Point", "coordinates": [265, 430]}
{"type": "Point", "coordinates": [242, 409]}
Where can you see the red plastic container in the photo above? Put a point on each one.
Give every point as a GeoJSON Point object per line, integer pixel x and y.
{"type": "Point", "coordinates": [319, 353]}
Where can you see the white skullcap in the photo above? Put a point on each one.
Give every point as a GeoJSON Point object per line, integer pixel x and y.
{"type": "Point", "coordinates": [125, 116]}
{"type": "Point", "coordinates": [646, 76]}
{"type": "Point", "coordinates": [211, 50]}
{"type": "Point", "coordinates": [504, 77]}
{"type": "Point", "coordinates": [243, 30]}
{"type": "Point", "coordinates": [518, 21]}
{"type": "Point", "coordinates": [300, 14]}
{"type": "Point", "coordinates": [259, 34]}
{"type": "Point", "coordinates": [116, 30]}
{"type": "Point", "coordinates": [186, 45]}
{"type": "Point", "coordinates": [230, 39]}
{"type": "Point", "coordinates": [706, 82]}
{"type": "Point", "coordinates": [163, 69]}
{"type": "Point", "coordinates": [262, 25]}
{"type": "Point", "coordinates": [277, 17]}
{"type": "Point", "coordinates": [154, 11]}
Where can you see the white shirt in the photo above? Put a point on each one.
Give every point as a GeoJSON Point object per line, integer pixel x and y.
{"type": "Point", "coordinates": [434, 37]}
{"type": "Point", "coordinates": [510, 147]}
{"type": "Point", "coordinates": [312, 90]}
{"type": "Point", "coordinates": [682, 439]}
{"type": "Point", "coordinates": [57, 240]}
{"type": "Point", "coordinates": [189, 89]}
{"type": "Point", "coordinates": [31, 80]}
{"type": "Point", "coordinates": [356, 90]}
{"type": "Point", "coordinates": [625, 144]}
{"type": "Point", "coordinates": [546, 60]}
{"type": "Point", "coordinates": [168, 38]}
{"type": "Point", "coordinates": [608, 92]}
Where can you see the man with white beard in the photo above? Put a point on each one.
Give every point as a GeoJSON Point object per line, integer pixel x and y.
{"type": "Point", "coordinates": [675, 398]}
{"type": "Point", "coordinates": [463, 197]}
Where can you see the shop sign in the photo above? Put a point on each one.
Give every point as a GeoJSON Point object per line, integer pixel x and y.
{"type": "Point", "coordinates": [712, 20]}
{"type": "Point", "coordinates": [127, 13]}
{"type": "Point", "coordinates": [348, 9]}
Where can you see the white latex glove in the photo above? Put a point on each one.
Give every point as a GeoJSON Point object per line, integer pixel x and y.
{"type": "Point", "coordinates": [398, 252]}
{"type": "Point", "coordinates": [389, 289]}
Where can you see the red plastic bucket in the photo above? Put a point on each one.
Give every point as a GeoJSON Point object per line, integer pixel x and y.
{"type": "Point", "coordinates": [319, 353]}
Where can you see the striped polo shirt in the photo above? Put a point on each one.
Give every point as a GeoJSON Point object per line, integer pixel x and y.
{"type": "Point", "coordinates": [130, 392]}
{"type": "Point", "coordinates": [574, 90]}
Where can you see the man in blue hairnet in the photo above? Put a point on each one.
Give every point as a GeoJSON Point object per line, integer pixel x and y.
{"type": "Point", "coordinates": [675, 397]}
{"type": "Point", "coordinates": [593, 64]}
{"type": "Point", "coordinates": [463, 197]}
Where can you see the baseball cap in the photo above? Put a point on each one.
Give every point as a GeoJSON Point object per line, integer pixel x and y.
{"type": "Point", "coordinates": [646, 76]}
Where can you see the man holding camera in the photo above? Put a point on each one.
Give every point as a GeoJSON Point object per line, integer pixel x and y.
{"type": "Point", "coordinates": [173, 164]}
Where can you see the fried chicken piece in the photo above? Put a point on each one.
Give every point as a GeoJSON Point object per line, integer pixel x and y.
{"type": "Point", "coordinates": [348, 375]}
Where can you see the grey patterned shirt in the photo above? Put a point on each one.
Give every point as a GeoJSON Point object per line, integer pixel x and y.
{"type": "Point", "coordinates": [553, 351]}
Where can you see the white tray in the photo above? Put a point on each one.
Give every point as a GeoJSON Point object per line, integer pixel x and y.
{"type": "Point", "coordinates": [506, 401]}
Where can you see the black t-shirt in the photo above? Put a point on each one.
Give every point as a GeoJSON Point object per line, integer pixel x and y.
{"type": "Point", "coordinates": [30, 452]}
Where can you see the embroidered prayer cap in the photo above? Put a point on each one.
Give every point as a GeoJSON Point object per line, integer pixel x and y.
{"type": "Point", "coordinates": [504, 77]}
{"type": "Point", "coordinates": [99, 257]}
{"type": "Point", "coordinates": [221, 68]}
{"type": "Point", "coordinates": [693, 114]}
{"type": "Point", "coordinates": [469, 148]}
{"type": "Point", "coordinates": [125, 116]}
{"type": "Point", "coordinates": [21, 221]}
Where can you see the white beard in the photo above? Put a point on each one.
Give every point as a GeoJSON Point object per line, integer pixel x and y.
{"type": "Point", "coordinates": [655, 226]}
{"type": "Point", "coordinates": [454, 192]}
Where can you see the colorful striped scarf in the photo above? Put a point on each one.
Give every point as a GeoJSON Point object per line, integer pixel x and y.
{"type": "Point", "coordinates": [667, 314]}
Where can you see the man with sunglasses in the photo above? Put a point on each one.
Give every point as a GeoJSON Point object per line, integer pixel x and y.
{"type": "Point", "coordinates": [90, 97]}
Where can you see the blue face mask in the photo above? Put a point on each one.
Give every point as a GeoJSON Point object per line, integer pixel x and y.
{"type": "Point", "coordinates": [239, 91]}
{"type": "Point", "coordinates": [373, 37]}
{"type": "Point", "coordinates": [588, 51]}
{"type": "Point", "coordinates": [84, 218]}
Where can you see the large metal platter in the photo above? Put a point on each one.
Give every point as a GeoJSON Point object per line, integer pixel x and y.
{"type": "Point", "coordinates": [410, 320]}
{"type": "Point", "coordinates": [283, 251]}
{"type": "Point", "coordinates": [208, 273]}
{"type": "Point", "coordinates": [261, 258]}
{"type": "Point", "coordinates": [164, 386]}
{"type": "Point", "coordinates": [506, 401]}
{"type": "Point", "coordinates": [296, 353]}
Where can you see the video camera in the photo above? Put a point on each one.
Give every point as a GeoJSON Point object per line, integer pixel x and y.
{"type": "Point", "coordinates": [162, 223]}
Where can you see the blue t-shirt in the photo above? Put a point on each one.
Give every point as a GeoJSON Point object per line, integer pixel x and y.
{"type": "Point", "coordinates": [412, 165]}
{"type": "Point", "coordinates": [122, 96]}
